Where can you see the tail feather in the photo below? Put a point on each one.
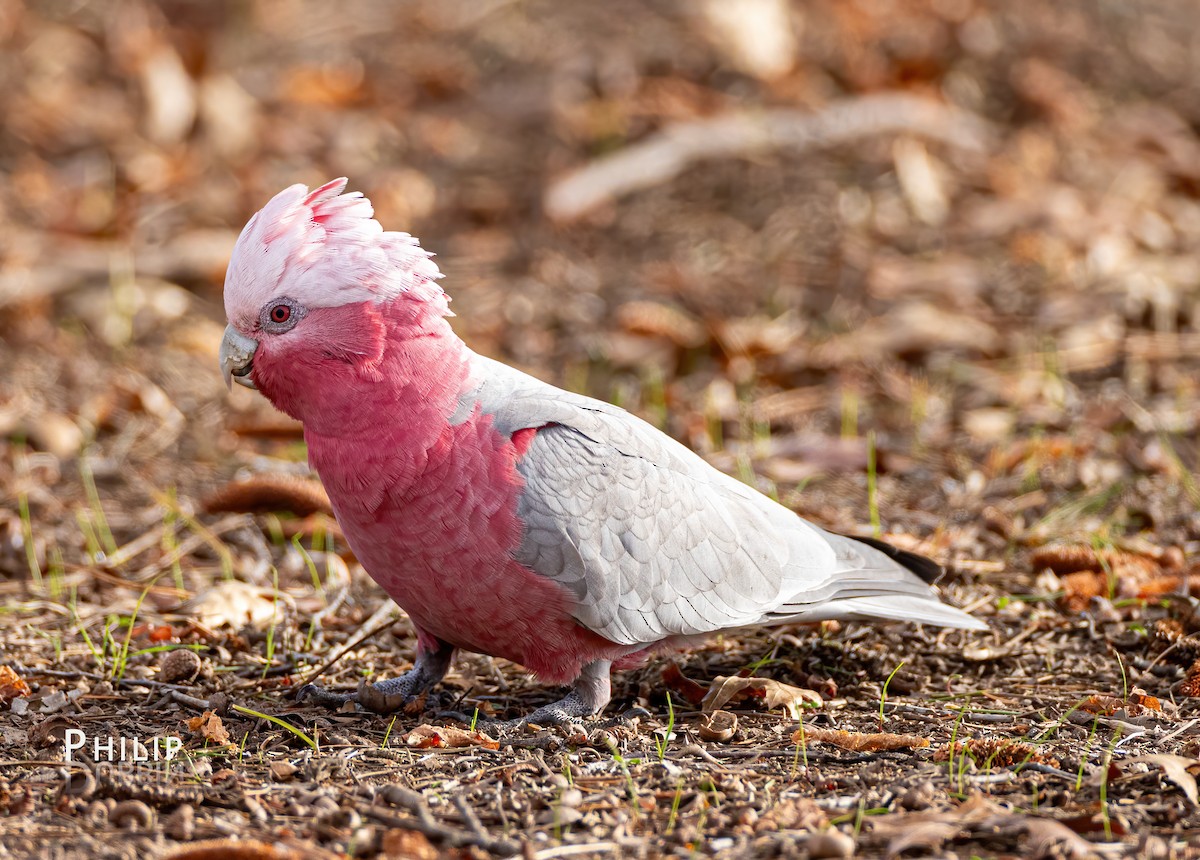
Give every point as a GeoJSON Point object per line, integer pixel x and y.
{"type": "Point", "coordinates": [878, 582]}
{"type": "Point", "coordinates": [890, 607]}
{"type": "Point", "coordinates": [926, 568]}
{"type": "Point", "coordinates": [915, 610]}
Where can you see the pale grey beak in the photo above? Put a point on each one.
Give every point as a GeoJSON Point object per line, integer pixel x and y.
{"type": "Point", "coordinates": [237, 357]}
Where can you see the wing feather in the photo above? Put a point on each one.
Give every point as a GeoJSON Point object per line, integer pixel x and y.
{"type": "Point", "coordinates": [655, 543]}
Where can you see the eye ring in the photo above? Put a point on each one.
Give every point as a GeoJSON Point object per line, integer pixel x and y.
{"type": "Point", "coordinates": [280, 315]}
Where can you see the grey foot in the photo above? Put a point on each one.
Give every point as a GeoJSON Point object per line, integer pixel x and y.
{"type": "Point", "coordinates": [383, 697]}
{"type": "Point", "coordinates": [586, 699]}
{"type": "Point", "coordinates": [570, 708]}
{"type": "Point", "coordinates": [391, 695]}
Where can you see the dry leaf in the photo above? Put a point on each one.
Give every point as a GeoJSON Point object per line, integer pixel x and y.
{"type": "Point", "coordinates": [266, 493]}
{"type": "Point", "coordinates": [1174, 768]}
{"type": "Point", "coordinates": [209, 726]}
{"type": "Point", "coordinates": [1048, 838]}
{"type": "Point", "coordinates": [794, 813]}
{"type": "Point", "coordinates": [282, 771]}
{"type": "Point", "coordinates": [754, 36]}
{"type": "Point", "coordinates": [1137, 703]}
{"type": "Point", "coordinates": [447, 737]}
{"type": "Point", "coordinates": [12, 685]}
{"type": "Point", "coordinates": [661, 320]}
{"type": "Point", "coordinates": [719, 726]}
{"type": "Point", "coordinates": [236, 604]}
{"type": "Point", "coordinates": [51, 731]}
{"type": "Point", "coordinates": [928, 836]}
{"type": "Point", "coordinates": [771, 693]}
{"type": "Point", "coordinates": [232, 849]}
{"type": "Point", "coordinates": [860, 741]}
{"type": "Point", "coordinates": [408, 844]}
{"type": "Point", "coordinates": [675, 680]}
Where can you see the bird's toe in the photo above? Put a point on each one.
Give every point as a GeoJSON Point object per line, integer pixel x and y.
{"type": "Point", "coordinates": [318, 695]}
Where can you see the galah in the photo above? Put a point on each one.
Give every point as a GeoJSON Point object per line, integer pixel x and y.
{"type": "Point", "coordinates": [504, 515]}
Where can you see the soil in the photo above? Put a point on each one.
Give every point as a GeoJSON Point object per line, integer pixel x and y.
{"type": "Point", "coordinates": [970, 329]}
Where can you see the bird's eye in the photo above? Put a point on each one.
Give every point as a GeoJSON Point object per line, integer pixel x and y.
{"type": "Point", "coordinates": [280, 316]}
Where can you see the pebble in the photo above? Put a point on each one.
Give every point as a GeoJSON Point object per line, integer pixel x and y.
{"type": "Point", "coordinates": [919, 796]}
{"type": "Point", "coordinates": [181, 824]}
{"type": "Point", "coordinates": [282, 771]}
{"type": "Point", "coordinates": [55, 433]}
{"type": "Point", "coordinates": [572, 797]}
{"type": "Point", "coordinates": [832, 844]}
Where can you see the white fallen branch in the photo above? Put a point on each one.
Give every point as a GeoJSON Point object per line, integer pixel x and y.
{"type": "Point", "coordinates": [667, 153]}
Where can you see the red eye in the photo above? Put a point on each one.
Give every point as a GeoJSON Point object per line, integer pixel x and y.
{"type": "Point", "coordinates": [281, 314]}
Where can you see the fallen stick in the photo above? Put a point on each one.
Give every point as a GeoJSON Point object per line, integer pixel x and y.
{"type": "Point", "coordinates": [667, 153]}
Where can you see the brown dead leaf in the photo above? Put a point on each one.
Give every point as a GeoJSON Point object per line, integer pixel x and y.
{"type": "Point", "coordinates": [448, 737]}
{"type": "Point", "coordinates": [236, 604]}
{"type": "Point", "coordinates": [796, 813]}
{"type": "Point", "coordinates": [677, 682]}
{"type": "Point", "coordinates": [12, 685]}
{"type": "Point", "coordinates": [1175, 768]}
{"type": "Point", "coordinates": [233, 849]}
{"type": "Point", "coordinates": [265, 493]}
{"type": "Point", "coordinates": [209, 726]}
{"type": "Point", "coordinates": [767, 691]}
{"type": "Point", "coordinates": [861, 741]}
{"type": "Point", "coordinates": [407, 844]}
{"type": "Point", "coordinates": [51, 731]}
{"type": "Point", "coordinates": [926, 836]}
{"type": "Point", "coordinates": [661, 320]}
{"type": "Point", "coordinates": [1048, 838]}
{"type": "Point", "coordinates": [719, 726]}
{"type": "Point", "coordinates": [1137, 703]}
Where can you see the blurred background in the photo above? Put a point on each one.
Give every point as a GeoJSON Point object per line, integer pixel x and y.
{"type": "Point", "coordinates": [954, 238]}
{"type": "Point", "coordinates": [920, 268]}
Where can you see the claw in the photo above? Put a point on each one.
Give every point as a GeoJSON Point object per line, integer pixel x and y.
{"type": "Point", "coordinates": [374, 699]}
{"type": "Point", "coordinates": [626, 717]}
{"type": "Point", "coordinates": [320, 696]}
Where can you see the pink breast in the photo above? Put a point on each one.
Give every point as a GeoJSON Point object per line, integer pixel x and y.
{"type": "Point", "coordinates": [440, 544]}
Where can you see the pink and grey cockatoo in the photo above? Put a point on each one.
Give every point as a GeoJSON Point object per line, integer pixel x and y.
{"type": "Point", "coordinates": [504, 515]}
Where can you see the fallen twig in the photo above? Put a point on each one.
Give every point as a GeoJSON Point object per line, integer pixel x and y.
{"type": "Point", "coordinates": [664, 155]}
{"type": "Point", "coordinates": [425, 823]}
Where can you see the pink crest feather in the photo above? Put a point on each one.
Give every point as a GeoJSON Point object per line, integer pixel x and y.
{"type": "Point", "coordinates": [324, 248]}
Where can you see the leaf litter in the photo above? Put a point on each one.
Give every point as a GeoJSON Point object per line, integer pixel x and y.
{"type": "Point", "coordinates": [1005, 319]}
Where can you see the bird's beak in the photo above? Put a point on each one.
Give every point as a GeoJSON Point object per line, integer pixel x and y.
{"type": "Point", "coordinates": [237, 357]}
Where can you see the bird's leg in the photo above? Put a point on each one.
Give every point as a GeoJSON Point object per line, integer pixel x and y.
{"type": "Point", "coordinates": [433, 661]}
{"type": "Point", "coordinates": [588, 696]}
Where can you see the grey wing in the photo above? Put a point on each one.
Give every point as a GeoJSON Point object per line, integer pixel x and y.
{"type": "Point", "coordinates": [646, 553]}
{"type": "Point", "coordinates": [653, 542]}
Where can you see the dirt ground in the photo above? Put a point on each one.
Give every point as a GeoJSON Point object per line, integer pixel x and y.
{"type": "Point", "coordinates": [920, 268]}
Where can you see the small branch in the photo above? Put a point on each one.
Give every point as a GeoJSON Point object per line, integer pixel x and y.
{"type": "Point", "coordinates": [664, 155]}
{"type": "Point", "coordinates": [425, 823]}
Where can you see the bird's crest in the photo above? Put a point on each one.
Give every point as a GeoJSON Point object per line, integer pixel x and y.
{"type": "Point", "coordinates": [324, 248]}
